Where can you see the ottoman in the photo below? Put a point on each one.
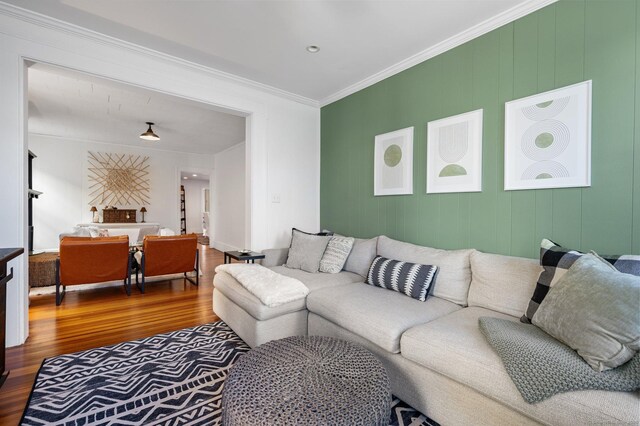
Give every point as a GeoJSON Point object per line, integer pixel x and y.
{"type": "Point", "coordinates": [302, 380]}
{"type": "Point", "coordinates": [42, 269]}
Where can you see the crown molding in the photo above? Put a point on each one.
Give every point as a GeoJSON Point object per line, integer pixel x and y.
{"type": "Point", "coordinates": [74, 139]}
{"type": "Point", "coordinates": [482, 28]}
{"type": "Point", "coordinates": [51, 23]}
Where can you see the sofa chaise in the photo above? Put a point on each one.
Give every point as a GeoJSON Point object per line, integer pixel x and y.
{"type": "Point", "coordinates": [436, 356]}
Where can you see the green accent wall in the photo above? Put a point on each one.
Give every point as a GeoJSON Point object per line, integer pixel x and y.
{"type": "Point", "coordinates": [562, 44]}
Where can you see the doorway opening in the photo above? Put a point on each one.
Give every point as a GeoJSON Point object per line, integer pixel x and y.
{"type": "Point", "coordinates": [72, 114]}
{"type": "Point", "coordinates": [195, 205]}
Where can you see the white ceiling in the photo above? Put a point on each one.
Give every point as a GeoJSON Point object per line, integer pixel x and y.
{"type": "Point", "coordinates": [73, 105]}
{"type": "Point", "coordinates": [194, 176]}
{"type": "Point", "coordinates": [265, 40]}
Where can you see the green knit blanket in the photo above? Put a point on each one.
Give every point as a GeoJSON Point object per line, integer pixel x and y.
{"type": "Point", "coordinates": [541, 366]}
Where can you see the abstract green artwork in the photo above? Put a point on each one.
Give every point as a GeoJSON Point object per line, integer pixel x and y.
{"type": "Point", "coordinates": [454, 153]}
{"type": "Point", "coordinates": [548, 139]}
{"type": "Point", "coordinates": [393, 171]}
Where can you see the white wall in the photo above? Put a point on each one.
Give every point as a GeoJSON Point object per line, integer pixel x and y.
{"type": "Point", "coordinates": [277, 123]}
{"type": "Point", "coordinates": [60, 171]}
{"type": "Point", "coordinates": [228, 200]}
{"type": "Point", "coordinates": [194, 200]}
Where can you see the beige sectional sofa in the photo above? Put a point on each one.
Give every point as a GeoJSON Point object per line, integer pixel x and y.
{"type": "Point", "coordinates": [436, 356]}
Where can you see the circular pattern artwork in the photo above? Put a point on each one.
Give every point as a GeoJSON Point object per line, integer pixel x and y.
{"type": "Point", "coordinates": [392, 155]}
{"type": "Point", "coordinates": [452, 170]}
{"type": "Point", "coordinates": [545, 110]}
{"type": "Point", "coordinates": [545, 170]}
{"type": "Point", "coordinates": [545, 140]}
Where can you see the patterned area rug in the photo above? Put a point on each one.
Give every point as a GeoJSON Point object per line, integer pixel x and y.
{"type": "Point", "coordinates": [170, 378]}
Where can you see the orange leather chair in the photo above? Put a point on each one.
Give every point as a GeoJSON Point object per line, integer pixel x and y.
{"type": "Point", "coordinates": [169, 255]}
{"type": "Point", "coordinates": [85, 260]}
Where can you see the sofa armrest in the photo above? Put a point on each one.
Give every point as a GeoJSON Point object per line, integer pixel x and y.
{"type": "Point", "coordinates": [275, 257]}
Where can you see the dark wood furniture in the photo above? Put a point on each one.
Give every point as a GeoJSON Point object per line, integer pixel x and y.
{"type": "Point", "coordinates": [119, 215]}
{"type": "Point", "coordinates": [183, 212]}
{"type": "Point", "coordinates": [31, 194]}
{"type": "Point", "coordinates": [6, 254]}
{"type": "Point", "coordinates": [251, 256]}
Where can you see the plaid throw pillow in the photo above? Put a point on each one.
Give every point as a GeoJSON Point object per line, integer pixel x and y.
{"type": "Point", "coordinates": [411, 279]}
{"type": "Point", "coordinates": [556, 259]}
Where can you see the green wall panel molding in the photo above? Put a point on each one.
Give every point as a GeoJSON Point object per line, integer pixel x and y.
{"type": "Point", "coordinates": [565, 43]}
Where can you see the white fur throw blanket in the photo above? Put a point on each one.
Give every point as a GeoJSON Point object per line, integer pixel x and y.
{"type": "Point", "coordinates": [271, 288]}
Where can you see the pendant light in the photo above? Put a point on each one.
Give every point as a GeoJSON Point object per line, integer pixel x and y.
{"type": "Point", "coordinates": [149, 135]}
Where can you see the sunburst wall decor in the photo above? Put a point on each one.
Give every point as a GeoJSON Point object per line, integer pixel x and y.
{"type": "Point", "coordinates": [118, 179]}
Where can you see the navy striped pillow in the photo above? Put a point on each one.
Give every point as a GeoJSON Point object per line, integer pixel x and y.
{"type": "Point", "coordinates": [412, 279]}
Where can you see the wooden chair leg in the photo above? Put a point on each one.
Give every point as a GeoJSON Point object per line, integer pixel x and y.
{"type": "Point", "coordinates": [141, 287]}
{"type": "Point", "coordinates": [127, 281]}
{"type": "Point", "coordinates": [196, 269]}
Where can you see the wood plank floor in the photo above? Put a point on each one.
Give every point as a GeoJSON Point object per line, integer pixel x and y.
{"type": "Point", "coordinates": [99, 317]}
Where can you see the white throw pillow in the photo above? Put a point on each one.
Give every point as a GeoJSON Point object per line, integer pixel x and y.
{"type": "Point", "coordinates": [336, 254]}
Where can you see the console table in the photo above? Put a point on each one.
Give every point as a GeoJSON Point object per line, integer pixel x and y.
{"type": "Point", "coordinates": [6, 254]}
{"type": "Point", "coordinates": [102, 225]}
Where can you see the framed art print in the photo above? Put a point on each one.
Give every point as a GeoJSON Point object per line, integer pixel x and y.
{"type": "Point", "coordinates": [454, 153]}
{"type": "Point", "coordinates": [548, 139]}
{"type": "Point", "coordinates": [393, 163]}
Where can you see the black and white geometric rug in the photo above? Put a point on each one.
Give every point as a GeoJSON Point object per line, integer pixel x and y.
{"type": "Point", "coordinates": [170, 378]}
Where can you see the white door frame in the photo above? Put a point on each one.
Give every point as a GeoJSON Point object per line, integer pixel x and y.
{"type": "Point", "coordinates": [184, 169]}
{"type": "Point", "coordinates": [128, 65]}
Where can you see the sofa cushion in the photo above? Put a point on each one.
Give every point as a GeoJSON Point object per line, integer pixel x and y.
{"type": "Point", "coordinates": [378, 315]}
{"type": "Point", "coordinates": [319, 279]}
{"type": "Point", "coordinates": [455, 347]}
{"type": "Point", "coordinates": [230, 287]}
{"type": "Point", "coordinates": [502, 283]}
{"type": "Point", "coordinates": [410, 279]}
{"type": "Point", "coordinates": [362, 254]}
{"type": "Point", "coordinates": [147, 230]}
{"type": "Point", "coordinates": [454, 271]}
{"type": "Point", "coordinates": [132, 233]}
{"type": "Point", "coordinates": [306, 250]}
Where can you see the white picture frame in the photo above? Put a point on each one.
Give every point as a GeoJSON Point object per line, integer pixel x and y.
{"type": "Point", "coordinates": [454, 153]}
{"type": "Point", "coordinates": [548, 139]}
{"type": "Point", "coordinates": [393, 163]}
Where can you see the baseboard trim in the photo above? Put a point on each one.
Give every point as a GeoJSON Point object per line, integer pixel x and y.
{"type": "Point", "coordinates": [219, 245]}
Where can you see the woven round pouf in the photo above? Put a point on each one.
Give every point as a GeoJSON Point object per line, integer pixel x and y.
{"type": "Point", "coordinates": [311, 380]}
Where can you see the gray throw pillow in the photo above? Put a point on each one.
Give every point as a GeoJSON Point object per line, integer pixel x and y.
{"type": "Point", "coordinates": [361, 256]}
{"type": "Point", "coordinates": [556, 260]}
{"type": "Point", "coordinates": [594, 309]}
{"type": "Point", "coordinates": [306, 251]}
{"type": "Point", "coordinates": [336, 254]}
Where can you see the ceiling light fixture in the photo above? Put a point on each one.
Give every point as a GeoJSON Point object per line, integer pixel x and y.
{"type": "Point", "coordinates": [194, 175]}
{"type": "Point", "coordinates": [313, 49]}
{"type": "Point", "coordinates": [185, 178]}
{"type": "Point", "coordinates": [149, 135]}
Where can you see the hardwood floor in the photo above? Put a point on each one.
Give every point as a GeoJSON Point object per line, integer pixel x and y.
{"type": "Point", "coordinates": [99, 317]}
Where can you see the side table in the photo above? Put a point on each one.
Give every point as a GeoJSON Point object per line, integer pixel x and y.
{"type": "Point", "coordinates": [6, 254]}
{"type": "Point", "coordinates": [252, 256]}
